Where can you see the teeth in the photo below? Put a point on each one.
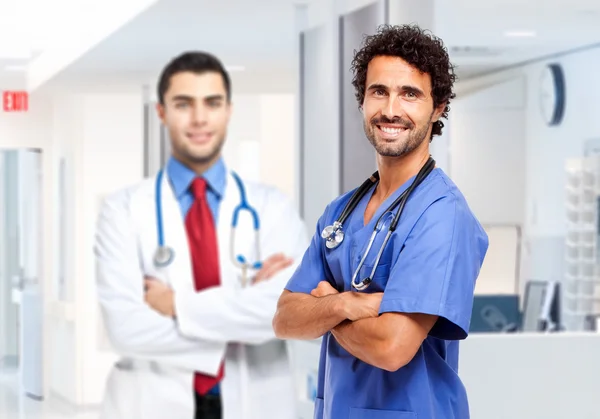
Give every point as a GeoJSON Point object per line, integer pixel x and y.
{"type": "Point", "coordinates": [391, 130]}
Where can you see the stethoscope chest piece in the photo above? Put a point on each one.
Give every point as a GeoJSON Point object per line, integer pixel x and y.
{"type": "Point", "coordinates": [163, 256]}
{"type": "Point", "coordinates": [333, 235]}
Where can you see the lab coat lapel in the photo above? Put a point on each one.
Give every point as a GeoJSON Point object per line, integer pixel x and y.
{"type": "Point", "coordinates": [228, 204]}
{"type": "Point", "coordinates": [180, 271]}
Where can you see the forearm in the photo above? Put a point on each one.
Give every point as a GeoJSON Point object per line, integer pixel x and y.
{"type": "Point", "coordinates": [139, 332]}
{"type": "Point", "coordinates": [366, 339]}
{"type": "Point", "coordinates": [229, 315]}
{"type": "Point", "coordinates": [302, 316]}
{"type": "Point", "coordinates": [389, 341]}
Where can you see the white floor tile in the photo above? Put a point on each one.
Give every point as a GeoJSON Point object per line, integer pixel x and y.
{"type": "Point", "coordinates": [15, 405]}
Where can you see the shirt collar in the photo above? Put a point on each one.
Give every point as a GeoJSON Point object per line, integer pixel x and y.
{"type": "Point", "coordinates": [182, 176]}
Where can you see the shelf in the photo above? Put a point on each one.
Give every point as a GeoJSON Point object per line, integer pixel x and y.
{"type": "Point", "coordinates": [581, 291]}
{"type": "Point", "coordinates": [582, 278]}
{"type": "Point", "coordinates": [582, 297]}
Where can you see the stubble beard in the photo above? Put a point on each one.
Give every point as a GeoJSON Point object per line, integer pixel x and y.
{"type": "Point", "coordinates": [396, 148]}
{"type": "Point", "coordinates": [187, 154]}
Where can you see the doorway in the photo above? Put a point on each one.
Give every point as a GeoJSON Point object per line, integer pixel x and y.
{"type": "Point", "coordinates": [21, 245]}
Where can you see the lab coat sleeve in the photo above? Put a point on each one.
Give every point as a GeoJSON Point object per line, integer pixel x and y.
{"type": "Point", "coordinates": [313, 268]}
{"type": "Point", "coordinates": [224, 314]}
{"type": "Point", "coordinates": [436, 270]}
{"type": "Point", "coordinates": [134, 329]}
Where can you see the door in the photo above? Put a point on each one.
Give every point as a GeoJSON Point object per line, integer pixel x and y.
{"type": "Point", "coordinates": [22, 183]}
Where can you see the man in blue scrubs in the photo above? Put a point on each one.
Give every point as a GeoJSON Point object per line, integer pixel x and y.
{"type": "Point", "coordinates": [391, 351]}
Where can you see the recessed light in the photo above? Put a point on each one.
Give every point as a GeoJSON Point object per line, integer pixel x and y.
{"type": "Point", "coordinates": [520, 34]}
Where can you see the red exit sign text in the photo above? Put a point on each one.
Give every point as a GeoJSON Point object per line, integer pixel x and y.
{"type": "Point", "coordinates": [15, 101]}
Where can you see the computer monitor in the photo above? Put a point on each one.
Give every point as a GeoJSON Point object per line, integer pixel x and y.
{"type": "Point", "coordinates": [495, 314]}
{"type": "Point", "coordinates": [541, 307]}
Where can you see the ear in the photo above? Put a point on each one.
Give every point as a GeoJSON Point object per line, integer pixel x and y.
{"type": "Point", "coordinates": [160, 110]}
{"type": "Point", "coordinates": [437, 113]}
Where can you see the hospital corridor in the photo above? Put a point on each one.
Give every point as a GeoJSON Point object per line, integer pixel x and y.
{"type": "Point", "coordinates": [299, 209]}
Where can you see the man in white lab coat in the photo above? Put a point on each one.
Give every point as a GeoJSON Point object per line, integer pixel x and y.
{"type": "Point", "coordinates": [196, 339]}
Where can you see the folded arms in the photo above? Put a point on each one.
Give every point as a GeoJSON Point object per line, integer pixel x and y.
{"type": "Point", "coordinates": [388, 341]}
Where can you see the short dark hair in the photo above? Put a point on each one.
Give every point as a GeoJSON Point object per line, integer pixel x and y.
{"type": "Point", "coordinates": [196, 62]}
{"type": "Point", "coordinates": [419, 48]}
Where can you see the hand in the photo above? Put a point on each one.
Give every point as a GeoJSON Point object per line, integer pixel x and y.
{"type": "Point", "coordinates": [159, 296]}
{"type": "Point", "coordinates": [271, 266]}
{"type": "Point", "coordinates": [323, 289]}
{"type": "Point", "coordinates": [358, 305]}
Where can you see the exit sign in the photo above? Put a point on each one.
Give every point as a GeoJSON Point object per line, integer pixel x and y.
{"type": "Point", "coordinates": [15, 101]}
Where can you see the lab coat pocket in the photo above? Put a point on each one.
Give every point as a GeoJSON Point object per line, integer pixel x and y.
{"type": "Point", "coordinates": [318, 408]}
{"type": "Point", "coordinates": [356, 413]}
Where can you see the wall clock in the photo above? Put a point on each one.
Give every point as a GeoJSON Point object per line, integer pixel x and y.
{"type": "Point", "coordinates": [552, 94]}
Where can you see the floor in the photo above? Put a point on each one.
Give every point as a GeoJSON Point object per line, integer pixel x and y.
{"type": "Point", "coordinates": [14, 405]}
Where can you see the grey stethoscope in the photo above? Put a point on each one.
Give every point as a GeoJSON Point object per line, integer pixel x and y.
{"type": "Point", "coordinates": [164, 255]}
{"type": "Point", "coordinates": [334, 234]}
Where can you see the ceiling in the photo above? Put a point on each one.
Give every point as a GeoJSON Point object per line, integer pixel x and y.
{"type": "Point", "coordinates": [24, 36]}
{"type": "Point", "coordinates": [259, 35]}
{"type": "Point", "coordinates": [485, 36]}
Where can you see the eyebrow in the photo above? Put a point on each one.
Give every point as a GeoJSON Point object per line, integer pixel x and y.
{"type": "Point", "coordinates": [377, 87]}
{"type": "Point", "coordinates": [186, 98]}
{"type": "Point", "coordinates": [405, 88]}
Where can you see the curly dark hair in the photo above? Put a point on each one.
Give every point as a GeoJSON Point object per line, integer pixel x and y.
{"type": "Point", "coordinates": [419, 48]}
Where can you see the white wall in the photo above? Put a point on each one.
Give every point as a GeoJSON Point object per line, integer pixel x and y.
{"type": "Point", "coordinates": [487, 144]}
{"type": "Point", "coordinates": [260, 139]}
{"type": "Point", "coordinates": [62, 353]}
{"type": "Point", "coordinates": [277, 142]}
{"type": "Point", "coordinates": [112, 158]}
{"type": "Point", "coordinates": [540, 158]}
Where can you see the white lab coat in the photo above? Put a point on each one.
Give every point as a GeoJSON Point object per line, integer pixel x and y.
{"type": "Point", "coordinates": [154, 380]}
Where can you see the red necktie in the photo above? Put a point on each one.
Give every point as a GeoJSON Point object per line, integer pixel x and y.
{"type": "Point", "coordinates": [202, 239]}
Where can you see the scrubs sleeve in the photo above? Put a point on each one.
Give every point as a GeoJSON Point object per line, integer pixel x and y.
{"type": "Point", "coordinates": [313, 268]}
{"type": "Point", "coordinates": [438, 265]}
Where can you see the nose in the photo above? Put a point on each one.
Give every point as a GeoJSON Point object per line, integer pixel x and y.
{"type": "Point", "coordinates": [392, 108]}
{"type": "Point", "coordinates": [199, 115]}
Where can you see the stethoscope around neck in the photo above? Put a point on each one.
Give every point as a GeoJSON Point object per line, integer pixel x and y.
{"type": "Point", "coordinates": [334, 234]}
{"type": "Point", "coordinates": [164, 255]}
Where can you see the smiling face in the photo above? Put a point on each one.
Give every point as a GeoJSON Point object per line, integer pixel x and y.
{"type": "Point", "coordinates": [398, 107]}
{"type": "Point", "coordinates": [196, 112]}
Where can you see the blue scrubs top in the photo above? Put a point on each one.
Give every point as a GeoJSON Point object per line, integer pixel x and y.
{"type": "Point", "coordinates": [429, 266]}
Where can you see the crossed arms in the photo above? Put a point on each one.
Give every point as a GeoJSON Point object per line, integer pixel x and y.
{"type": "Point", "coordinates": [388, 341]}
{"type": "Point", "coordinates": [138, 314]}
